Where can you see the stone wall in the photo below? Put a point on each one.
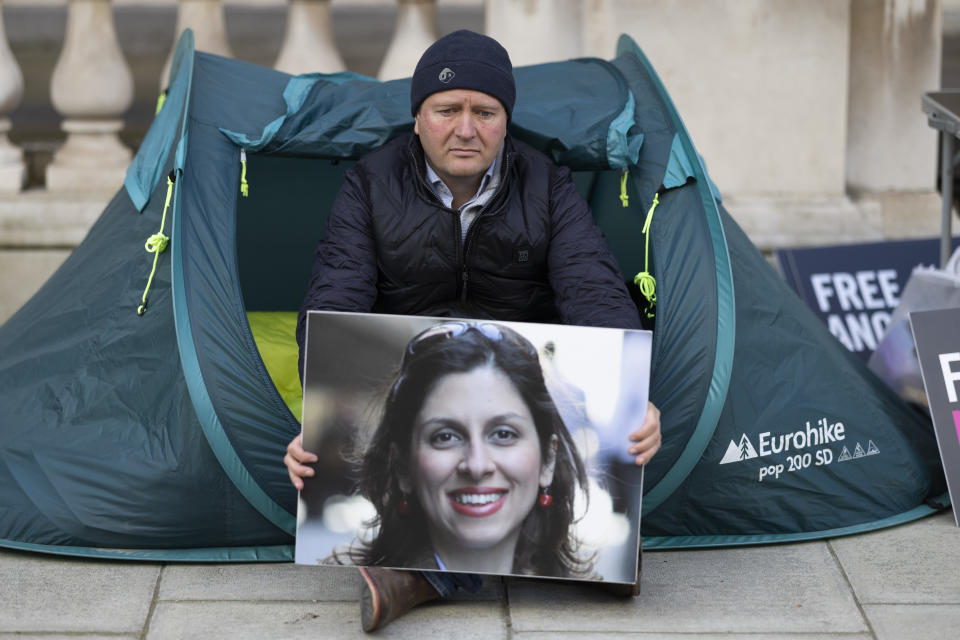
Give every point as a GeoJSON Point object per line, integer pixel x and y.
{"type": "Point", "coordinates": [807, 113]}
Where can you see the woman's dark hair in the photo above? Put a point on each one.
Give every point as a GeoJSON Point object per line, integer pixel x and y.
{"type": "Point", "coordinates": [545, 546]}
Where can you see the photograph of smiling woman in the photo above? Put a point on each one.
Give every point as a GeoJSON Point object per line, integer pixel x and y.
{"type": "Point", "coordinates": [471, 466]}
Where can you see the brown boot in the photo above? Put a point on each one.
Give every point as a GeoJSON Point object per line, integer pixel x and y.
{"type": "Point", "coordinates": [387, 594]}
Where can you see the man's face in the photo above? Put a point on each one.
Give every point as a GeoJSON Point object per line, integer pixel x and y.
{"type": "Point", "coordinates": [461, 131]}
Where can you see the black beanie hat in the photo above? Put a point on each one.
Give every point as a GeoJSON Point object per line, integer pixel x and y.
{"type": "Point", "coordinates": [464, 60]}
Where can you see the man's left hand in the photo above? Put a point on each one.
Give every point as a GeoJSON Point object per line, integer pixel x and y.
{"type": "Point", "coordinates": [645, 441]}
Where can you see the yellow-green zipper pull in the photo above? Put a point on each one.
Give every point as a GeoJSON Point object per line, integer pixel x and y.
{"type": "Point", "coordinates": [244, 187]}
{"type": "Point", "coordinates": [645, 280]}
{"type": "Point", "coordinates": [624, 198]}
{"type": "Point", "coordinates": [160, 100]}
{"type": "Point", "coordinates": [156, 244]}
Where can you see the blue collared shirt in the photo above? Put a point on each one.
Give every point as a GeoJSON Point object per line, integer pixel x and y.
{"type": "Point", "coordinates": [468, 212]}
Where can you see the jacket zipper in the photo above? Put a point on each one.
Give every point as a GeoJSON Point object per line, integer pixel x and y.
{"type": "Point", "coordinates": [485, 210]}
{"type": "Point", "coordinates": [462, 250]}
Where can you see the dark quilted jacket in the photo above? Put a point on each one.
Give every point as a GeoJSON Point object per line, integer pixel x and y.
{"type": "Point", "coordinates": [532, 254]}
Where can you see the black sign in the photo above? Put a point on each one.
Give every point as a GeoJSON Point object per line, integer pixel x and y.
{"type": "Point", "coordinates": [854, 288]}
{"type": "Point", "coordinates": [937, 335]}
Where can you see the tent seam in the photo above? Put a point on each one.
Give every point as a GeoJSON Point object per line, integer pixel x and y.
{"type": "Point", "coordinates": [733, 540]}
{"type": "Point", "coordinates": [210, 423]}
{"type": "Point", "coordinates": [723, 356]}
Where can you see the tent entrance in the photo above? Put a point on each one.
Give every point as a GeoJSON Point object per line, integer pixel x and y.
{"type": "Point", "coordinates": [283, 218]}
{"type": "Point", "coordinates": [279, 225]}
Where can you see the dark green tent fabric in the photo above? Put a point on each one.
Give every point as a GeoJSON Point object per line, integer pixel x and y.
{"type": "Point", "coordinates": [99, 444]}
{"type": "Point", "coordinates": [783, 381]}
{"type": "Point", "coordinates": [160, 436]}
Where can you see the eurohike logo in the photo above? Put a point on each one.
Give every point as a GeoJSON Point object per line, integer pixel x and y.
{"type": "Point", "coordinates": [822, 433]}
{"type": "Point", "coordinates": [737, 452]}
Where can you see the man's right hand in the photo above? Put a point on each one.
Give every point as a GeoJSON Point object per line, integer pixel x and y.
{"type": "Point", "coordinates": [297, 460]}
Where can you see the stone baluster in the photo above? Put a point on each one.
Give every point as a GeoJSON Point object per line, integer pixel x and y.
{"type": "Point", "coordinates": [13, 171]}
{"type": "Point", "coordinates": [536, 31]}
{"type": "Point", "coordinates": [92, 88]}
{"type": "Point", "coordinates": [415, 31]}
{"type": "Point", "coordinates": [308, 42]}
{"type": "Point", "coordinates": [205, 17]}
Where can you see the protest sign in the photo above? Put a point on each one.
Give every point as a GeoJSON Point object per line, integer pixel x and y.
{"type": "Point", "coordinates": [855, 288]}
{"type": "Point", "coordinates": [937, 336]}
{"type": "Point", "coordinates": [477, 446]}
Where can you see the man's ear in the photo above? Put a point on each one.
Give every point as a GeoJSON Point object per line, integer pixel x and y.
{"type": "Point", "coordinates": [402, 480]}
{"type": "Point", "coordinates": [416, 123]}
{"type": "Point", "coordinates": [549, 462]}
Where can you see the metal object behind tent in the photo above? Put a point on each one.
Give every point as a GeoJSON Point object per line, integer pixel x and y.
{"type": "Point", "coordinates": [943, 114]}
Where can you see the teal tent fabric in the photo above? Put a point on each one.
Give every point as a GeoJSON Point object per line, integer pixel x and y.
{"type": "Point", "coordinates": [147, 167]}
{"type": "Point", "coordinates": [161, 436]}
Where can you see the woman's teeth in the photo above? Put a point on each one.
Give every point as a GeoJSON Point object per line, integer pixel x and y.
{"type": "Point", "coordinates": [477, 498]}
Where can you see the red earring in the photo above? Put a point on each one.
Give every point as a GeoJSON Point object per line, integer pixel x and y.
{"type": "Point", "coordinates": [404, 507]}
{"type": "Point", "coordinates": [545, 499]}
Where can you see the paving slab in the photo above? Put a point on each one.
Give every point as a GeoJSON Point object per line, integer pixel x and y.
{"type": "Point", "coordinates": [71, 636]}
{"type": "Point", "coordinates": [763, 590]}
{"type": "Point", "coordinates": [462, 619]}
{"type": "Point", "coordinates": [287, 582]}
{"type": "Point", "coordinates": [237, 620]}
{"type": "Point", "coordinates": [51, 594]}
{"type": "Point", "coordinates": [927, 621]}
{"type": "Point", "coordinates": [258, 582]}
{"type": "Point", "coordinates": [915, 563]}
{"type": "Point", "coordinates": [281, 620]}
{"type": "Point", "coordinates": [628, 635]}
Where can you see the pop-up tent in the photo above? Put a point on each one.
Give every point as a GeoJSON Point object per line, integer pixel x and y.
{"type": "Point", "coordinates": [141, 419]}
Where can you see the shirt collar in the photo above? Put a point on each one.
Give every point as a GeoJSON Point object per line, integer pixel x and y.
{"type": "Point", "coordinates": [438, 185]}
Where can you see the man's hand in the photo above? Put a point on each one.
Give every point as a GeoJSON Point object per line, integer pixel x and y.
{"type": "Point", "coordinates": [297, 460]}
{"type": "Point", "coordinates": [645, 441]}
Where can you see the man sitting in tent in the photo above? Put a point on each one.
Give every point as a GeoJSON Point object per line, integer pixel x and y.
{"type": "Point", "coordinates": [458, 219]}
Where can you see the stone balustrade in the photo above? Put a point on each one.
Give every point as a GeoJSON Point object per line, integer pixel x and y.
{"type": "Point", "coordinates": [807, 113]}
{"type": "Point", "coordinates": [12, 169]}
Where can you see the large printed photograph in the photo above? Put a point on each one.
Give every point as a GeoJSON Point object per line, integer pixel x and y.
{"type": "Point", "coordinates": [478, 446]}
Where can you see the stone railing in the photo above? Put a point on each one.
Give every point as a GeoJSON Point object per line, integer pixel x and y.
{"type": "Point", "coordinates": [92, 85]}
{"type": "Point", "coordinates": [808, 113]}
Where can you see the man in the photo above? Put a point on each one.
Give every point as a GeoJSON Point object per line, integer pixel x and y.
{"type": "Point", "coordinates": [458, 219]}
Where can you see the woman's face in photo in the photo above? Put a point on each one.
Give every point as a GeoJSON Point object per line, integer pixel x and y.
{"type": "Point", "coordinates": [476, 465]}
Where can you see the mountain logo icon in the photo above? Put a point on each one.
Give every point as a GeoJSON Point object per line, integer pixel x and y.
{"type": "Point", "coordinates": [739, 451]}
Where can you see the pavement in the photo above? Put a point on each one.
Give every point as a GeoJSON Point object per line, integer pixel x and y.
{"type": "Point", "coordinates": [902, 582]}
